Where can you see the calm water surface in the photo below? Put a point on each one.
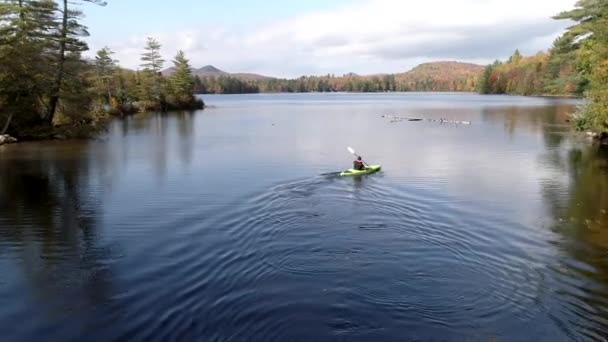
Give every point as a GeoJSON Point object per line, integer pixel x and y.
{"type": "Point", "coordinates": [227, 225]}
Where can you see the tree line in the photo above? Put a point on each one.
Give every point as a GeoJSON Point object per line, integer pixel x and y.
{"type": "Point", "coordinates": [331, 83]}
{"type": "Point", "coordinates": [576, 64]}
{"type": "Point", "coordinates": [546, 73]}
{"type": "Point", "coordinates": [304, 84]}
{"type": "Point", "coordinates": [46, 84]}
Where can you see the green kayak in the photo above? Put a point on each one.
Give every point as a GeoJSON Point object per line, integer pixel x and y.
{"type": "Point", "coordinates": [353, 172]}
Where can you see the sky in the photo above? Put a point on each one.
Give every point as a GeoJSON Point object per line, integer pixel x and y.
{"type": "Point", "coordinates": [286, 38]}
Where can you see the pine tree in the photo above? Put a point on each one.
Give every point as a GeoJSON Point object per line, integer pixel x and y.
{"type": "Point", "coordinates": [68, 47]}
{"type": "Point", "coordinates": [485, 86]}
{"type": "Point", "coordinates": [591, 31]}
{"type": "Point", "coordinates": [515, 58]}
{"type": "Point", "coordinates": [152, 59]}
{"type": "Point", "coordinates": [105, 76]}
{"type": "Point", "coordinates": [152, 62]}
{"type": "Point", "coordinates": [24, 36]}
{"type": "Point", "coordinates": [181, 81]}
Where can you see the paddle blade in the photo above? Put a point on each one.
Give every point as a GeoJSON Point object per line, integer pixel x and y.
{"type": "Point", "coordinates": [350, 149]}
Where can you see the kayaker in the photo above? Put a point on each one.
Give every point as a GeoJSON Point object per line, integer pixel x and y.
{"type": "Point", "coordinates": [358, 164]}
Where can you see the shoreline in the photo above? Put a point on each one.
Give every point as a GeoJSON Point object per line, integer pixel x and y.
{"type": "Point", "coordinates": [91, 128]}
{"type": "Point", "coordinates": [96, 127]}
{"type": "Point", "coordinates": [564, 96]}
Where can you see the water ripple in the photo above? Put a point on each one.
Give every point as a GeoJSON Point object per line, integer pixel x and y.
{"type": "Point", "coordinates": [384, 246]}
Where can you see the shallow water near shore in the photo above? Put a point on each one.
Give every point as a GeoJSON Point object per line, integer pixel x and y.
{"type": "Point", "coordinates": [230, 224]}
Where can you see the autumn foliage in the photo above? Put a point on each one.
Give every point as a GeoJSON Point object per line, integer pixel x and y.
{"type": "Point", "coordinates": [437, 76]}
{"type": "Point", "coordinates": [541, 74]}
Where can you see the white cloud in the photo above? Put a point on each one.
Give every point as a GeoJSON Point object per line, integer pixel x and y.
{"type": "Point", "coordinates": [366, 37]}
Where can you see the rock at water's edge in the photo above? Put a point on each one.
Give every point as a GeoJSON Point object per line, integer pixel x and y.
{"type": "Point", "coordinates": [7, 139]}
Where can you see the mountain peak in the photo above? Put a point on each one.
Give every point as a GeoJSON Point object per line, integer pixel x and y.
{"type": "Point", "coordinates": [211, 71]}
{"type": "Point", "coordinates": [210, 68]}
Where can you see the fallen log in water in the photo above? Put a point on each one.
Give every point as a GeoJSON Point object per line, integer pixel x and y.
{"type": "Point", "coordinates": [402, 118]}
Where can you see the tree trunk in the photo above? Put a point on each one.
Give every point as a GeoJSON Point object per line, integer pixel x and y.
{"type": "Point", "coordinates": [56, 87]}
{"type": "Point", "coordinates": [10, 117]}
{"type": "Point", "coordinates": [7, 124]}
{"type": "Point", "coordinates": [21, 12]}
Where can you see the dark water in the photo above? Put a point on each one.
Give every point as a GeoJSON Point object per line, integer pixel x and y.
{"type": "Point", "coordinates": [219, 225]}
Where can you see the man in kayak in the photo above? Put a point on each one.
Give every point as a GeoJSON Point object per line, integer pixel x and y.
{"type": "Point", "coordinates": [358, 164]}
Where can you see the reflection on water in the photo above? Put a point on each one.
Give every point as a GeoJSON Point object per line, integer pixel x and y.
{"type": "Point", "coordinates": [532, 118]}
{"type": "Point", "coordinates": [578, 202]}
{"type": "Point", "coordinates": [216, 225]}
{"type": "Point", "coordinates": [49, 220]}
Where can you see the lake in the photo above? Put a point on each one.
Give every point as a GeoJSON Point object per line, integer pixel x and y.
{"type": "Point", "coordinates": [230, 224]}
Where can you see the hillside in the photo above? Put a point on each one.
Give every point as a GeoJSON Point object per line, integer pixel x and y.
{"type": "Point", "coordinates": [209, 71]}
{"type": "Point", "coordinates": [449, 68]}
{"type": "Point", "coordinates": [441, 76]}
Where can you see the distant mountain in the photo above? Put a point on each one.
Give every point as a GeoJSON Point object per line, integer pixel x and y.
{"type": "Point", "coordinates": [449, 68]}
{"type": "Point", "coordinates": [441, 76]}
{"type": "Point", "coordinates": [211, 71]}
{"type": "Point", "coordinates": [251, 77]}
{"type": "Point", "coordinates": [169, 71]}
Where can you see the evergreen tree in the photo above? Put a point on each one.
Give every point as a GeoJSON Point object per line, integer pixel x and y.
{"type": "Point", "coordinates": [485, 86]}
{"type": "Point", "coordinates": [152, 59]}
{"type": "Point", "coordinates": [515, 58]}
{"type": "Point", "coordinates": [67, 48]}
{"type": "Point", "coordinates": [24, 35]}
{"type": "Point", "coordinates": [152, 62]}
{"type": "Point", "coordinates": [591, 31]}
{"type": "Point", "coordinates": [105, 78]}
{"type": "Point", "coordinates": [181, 81]}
